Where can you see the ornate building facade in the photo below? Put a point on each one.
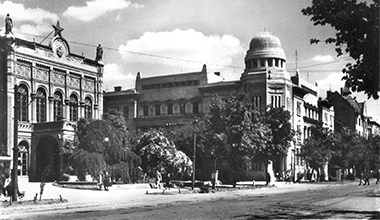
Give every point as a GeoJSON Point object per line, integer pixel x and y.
{"type": "Point", "coordinates": [178, 98]}
{"type": "Point", "coordinates": [50, 88]}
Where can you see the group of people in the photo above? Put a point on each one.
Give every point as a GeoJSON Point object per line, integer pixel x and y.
{"type": "Point", "coordinates": [364, 178]}
{"type": "Point", "coordinates": [104, 180]}
{"type": "Point", "coordinates": [159, 180]}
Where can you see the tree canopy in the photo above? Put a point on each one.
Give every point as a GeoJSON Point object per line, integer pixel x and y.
{"type": "Point", "coordinates": [102, 145]}
{"type": "Point", "coordinates": [242, 133]}
{"type": "Point", "coordinates": [357, 26]}
{"type": "Point", "coordinates": [317, 149]}
{"type": "Point", "coordinates": [158, 153]}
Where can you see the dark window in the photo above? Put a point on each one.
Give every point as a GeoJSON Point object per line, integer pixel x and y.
{"type": "Point", "coordinates": [58, 106]}
{"type": "Point", "coordinates": [41, 105]}
{"type": "Point", "coordinates": [87, 108]}
{"type": "Point", "coordinates": [126, 112]}
{"type": "Point", "coordinates": [146, 110]}
{"type": "Point", "coordinates": [23, 103]}
{"type": "Point", "coordinates": [195, 107]}
{"type": "Point", "coordinates": [73, 108]}
{"type": "Point", "coordinates": [170, 109]}
{"type": "Point", "coordinates": [182, 107]}
{"type": "Point", "coordinates": [157, 109]}
{"type": "Point", "coordinates": [262, 62]}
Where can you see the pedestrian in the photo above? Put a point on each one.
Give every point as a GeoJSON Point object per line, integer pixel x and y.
{"type": "Point", "coordinates": [158, 179]}
{"type": "Point", "coordinates": [268, 179]}
{"type": "Point", "coordinates": [100, 180]}
{"type": "Point", "coordinates": [366, 179]}
{"type": "Point", "coordinates": [167, 181]}
{"type": "Point", "coordinates": [377, 176]}
{"type": "Point", "coordinates": [361, 181]}
{"type": "Point", "coordinates": [106, 180]}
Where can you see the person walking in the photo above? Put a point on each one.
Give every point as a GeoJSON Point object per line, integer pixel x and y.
{"type": "Point", "coordinates": [378, 176]}
{"type": "Point", "coordinates": [361, 179]}
{"type": "Point", "coordinates": [366, 179]}
{"type": "Point", "coordinates": [158, 179]}
{"type": "Point", "coordinates": [106, 180]}
{"type": "Point", "coordinates": [167, 181]}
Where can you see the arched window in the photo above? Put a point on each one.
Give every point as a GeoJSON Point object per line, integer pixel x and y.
{"type": "Point", "coordinates": [23, 158]}
{"type": "Point", "coordinates": [41, 105]}
{"type": "Point", "coordinates": [58, 106]}
{"type": "Point", "coordinates": [73, 108]}
{"type": "Point", "coordinates": [88, 108]}
{"type": "Point", "coordinates": [23, 102]}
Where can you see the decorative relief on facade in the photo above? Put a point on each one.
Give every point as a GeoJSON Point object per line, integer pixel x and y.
{"type": "Point", "coordinates": [41, 74]}
{"type": "Point", "coordinates": [73, 81]}
{"type": "Point", "coordinates": [23, 70]}
{"type": "Point", "coordinates": [58, 78]}
{"type": "Point", "coordinates": [89, 84]}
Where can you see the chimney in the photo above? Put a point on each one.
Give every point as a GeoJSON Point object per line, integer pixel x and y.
{"type": "Point", "coordinates": [117, 88]}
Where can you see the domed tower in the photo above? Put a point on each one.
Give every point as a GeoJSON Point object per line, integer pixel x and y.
{"type": "Point", "coordinates": [265, 79]}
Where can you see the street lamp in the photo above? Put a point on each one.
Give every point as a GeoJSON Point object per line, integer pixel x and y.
{"type": "Point", "coordinates": [194, 150]}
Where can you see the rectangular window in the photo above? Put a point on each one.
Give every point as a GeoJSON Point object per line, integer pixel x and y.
{"type": "Point", "coordinates": [157, 109]}
{"type": "Point", "coordinates": [170, 109]}
{"type": "Point", "coordinates": [195, 107]}
{"type": "Point", "coordinates": [326, 118]}
{"type": "Point", "coordinates": [276, 101]}
{"type": "Point", "coordinates": [257, 102]}
{"type": "Point", "coordinates": [299, 108]}
{"type": "Point", "coordinates": [126, 112]}
{"type": "Point", "coordinates": [182, 107]}
{"type": "Point", "coordinates": [146, 111]}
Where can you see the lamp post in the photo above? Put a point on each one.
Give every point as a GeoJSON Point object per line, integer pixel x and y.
{"type": "Point", "coordinates": [194, 151]}
{"type": "Point", "coordinates": [15, 146]}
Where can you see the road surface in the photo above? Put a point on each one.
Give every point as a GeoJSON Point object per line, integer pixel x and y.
{"type": "Point", "coordinates": [309, 201]}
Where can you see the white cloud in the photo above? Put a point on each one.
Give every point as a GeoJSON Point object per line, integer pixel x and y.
{"type": "Point", "coordinates": [96, 8]}
{"type": "Point", "coordinates": [332, 82]}
{"type": "Point", "coordinates": [114, 72]}
{"type": "Point", "coordinates": [323, 58]}
{"type": "Point", "coordinates": [182, 47]}
{"type": "Point", "coordinates": [34, 21]}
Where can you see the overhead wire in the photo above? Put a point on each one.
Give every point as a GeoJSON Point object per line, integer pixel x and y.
{"type": "Point", "coordinates": [194, 61]}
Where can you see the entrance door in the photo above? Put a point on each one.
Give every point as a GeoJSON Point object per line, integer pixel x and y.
{"type": "Point", "coordinates": [47, 159]}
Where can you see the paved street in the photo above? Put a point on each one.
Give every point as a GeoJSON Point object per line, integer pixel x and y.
{"type": "Point", "coordinates": [304, 200]}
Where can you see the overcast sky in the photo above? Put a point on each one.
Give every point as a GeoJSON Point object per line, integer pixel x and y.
{"type": "Point", "coordinates": [160, 37]}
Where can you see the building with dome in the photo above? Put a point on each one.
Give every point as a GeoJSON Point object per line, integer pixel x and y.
{"type": "Point", "coordinates": [176, 99]}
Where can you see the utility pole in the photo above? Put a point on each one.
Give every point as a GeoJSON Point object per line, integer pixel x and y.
{"type": "Point", "coordinates": [195, 145]}
{"type": "Point", "coordinates": [15, 147]}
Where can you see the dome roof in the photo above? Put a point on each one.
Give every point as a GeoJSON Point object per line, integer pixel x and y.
{"type": "Point", "coordinates": [265, 45]}
{"type": "Point", "coordinates": [264, 40]}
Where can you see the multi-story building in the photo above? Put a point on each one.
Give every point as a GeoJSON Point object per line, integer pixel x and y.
{"type": "Point", "coordinates": [349, 113]}
{"type": "Point", "coordinates": [178, 98]}
{"type": "Point", "coordinates": [51, 88]}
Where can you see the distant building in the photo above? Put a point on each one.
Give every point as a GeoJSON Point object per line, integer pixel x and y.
{"type": "Point", "coordinates": [54, 89]}
{"type": "Point", "coordinates": [349, 113]}
{"type": "Point", "coordinates": [176, 99]}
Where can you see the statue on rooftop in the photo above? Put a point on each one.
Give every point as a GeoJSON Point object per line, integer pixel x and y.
{"type": "Point", "coordinates": [8, 24]}
{"type": "Point", "coordinates": [99, 53]}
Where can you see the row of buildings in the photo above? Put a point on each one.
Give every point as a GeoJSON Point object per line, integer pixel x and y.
{"type": "Point", "coordinates": [51, 88]}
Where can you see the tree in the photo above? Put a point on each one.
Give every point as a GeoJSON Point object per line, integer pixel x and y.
{"type": "Point", "coordinates": [278, 121]}
{"type": "Point", "coordinates": [102, 145]}
{"type": "Point", "coordinates": [238, 131]}
{"type": "Point", "coordinates": [183, 138]}
{"type": "Point", "coordinates": [158, 153]}
{"type": "Point", "coordinates": [357, 26]}
{"type": "Point", "coordinates": [317, 149]}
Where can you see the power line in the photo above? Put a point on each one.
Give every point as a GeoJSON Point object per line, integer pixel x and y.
{"type": "Point", "coordinates": [145, 54]}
